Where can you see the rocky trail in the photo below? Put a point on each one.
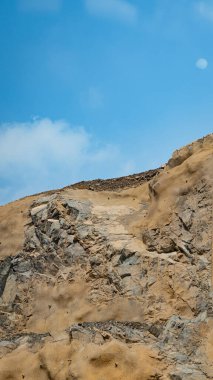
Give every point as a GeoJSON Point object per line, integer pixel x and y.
{"type": "Point", "coordinates": [111, 279]}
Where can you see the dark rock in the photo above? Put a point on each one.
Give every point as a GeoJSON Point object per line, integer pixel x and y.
{"type": "Point", "coordinates": [5, 267]}
{"type": "Point", "coordinates": [95, 261]}
{"type": "Point", "coordinates": [75, 253]}
{"type": "Point", "coordinates": [149, 238]}
{"type": "Point", "coordinates": [154, 330]}
{"type": "Point", "coordinates": [22, 265]}
{"type": "Point", "coordinates": [175, 377]}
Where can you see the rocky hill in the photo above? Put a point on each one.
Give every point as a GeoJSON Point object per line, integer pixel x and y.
{"type": "Point", "coordinates": [111, 280]}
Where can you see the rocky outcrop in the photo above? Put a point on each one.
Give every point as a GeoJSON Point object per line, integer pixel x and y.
{"type": "Point", "coordinates": [114, 284]}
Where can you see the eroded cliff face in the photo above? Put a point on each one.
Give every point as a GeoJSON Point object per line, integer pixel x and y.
{"type": "Point", "coordinates": [111, 279]}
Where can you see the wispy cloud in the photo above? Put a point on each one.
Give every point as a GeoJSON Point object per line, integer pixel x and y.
{"type": "Point", "coordinates": [118, 9]}
{"type": "Point", "coordinates": [40, 5]}
{"type": "Point", "coordinates": [44, 154]}
{"type": "Point", "coordinates": [205, 9]}
{"type": "Point", "coordinates": [202, 63]}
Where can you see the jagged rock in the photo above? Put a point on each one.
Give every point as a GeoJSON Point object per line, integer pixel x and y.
{"type": "Point", "coordinates": [31, 241]}
{"type": "Point", "coordinates": [45, 200]}
{"type": "Point", "coordinates": [75, 252]}
{"type": "Point", "coordinates": [149, 238]}
{"type": "Point", "coordinates": [186, 217]}
{"type": "Point", "coordinates": [38, 209]}
{"type": "Point", "coordinates": [53, 230]}
{"type": "Point", "coordinates": [77, 209]}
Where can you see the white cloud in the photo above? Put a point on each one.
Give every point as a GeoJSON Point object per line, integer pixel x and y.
{"type": "Point", "coordinates": [40, 5]}
{"type": "Point", "coordinates": [118, 9]}
{"type": "Point", "coordinates": [202, 63]}
{"type": "Point", "coordinates": [205, 9]}
{"type": "Point", "coordinates": [44, 154]}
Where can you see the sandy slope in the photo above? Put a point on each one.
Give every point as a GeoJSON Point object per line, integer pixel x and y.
{"type": "Point", "coordinates": [111, 279]}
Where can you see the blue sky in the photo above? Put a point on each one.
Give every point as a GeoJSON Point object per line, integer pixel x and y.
{"type": "Point", "coordinates": [99, 88]}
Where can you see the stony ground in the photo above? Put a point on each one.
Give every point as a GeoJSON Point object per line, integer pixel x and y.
{"type": "Point", "coordinates": [111, 279]}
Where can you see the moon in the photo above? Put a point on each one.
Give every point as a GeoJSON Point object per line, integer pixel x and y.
{"type": "Point", "coordinates": [202, 63]}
